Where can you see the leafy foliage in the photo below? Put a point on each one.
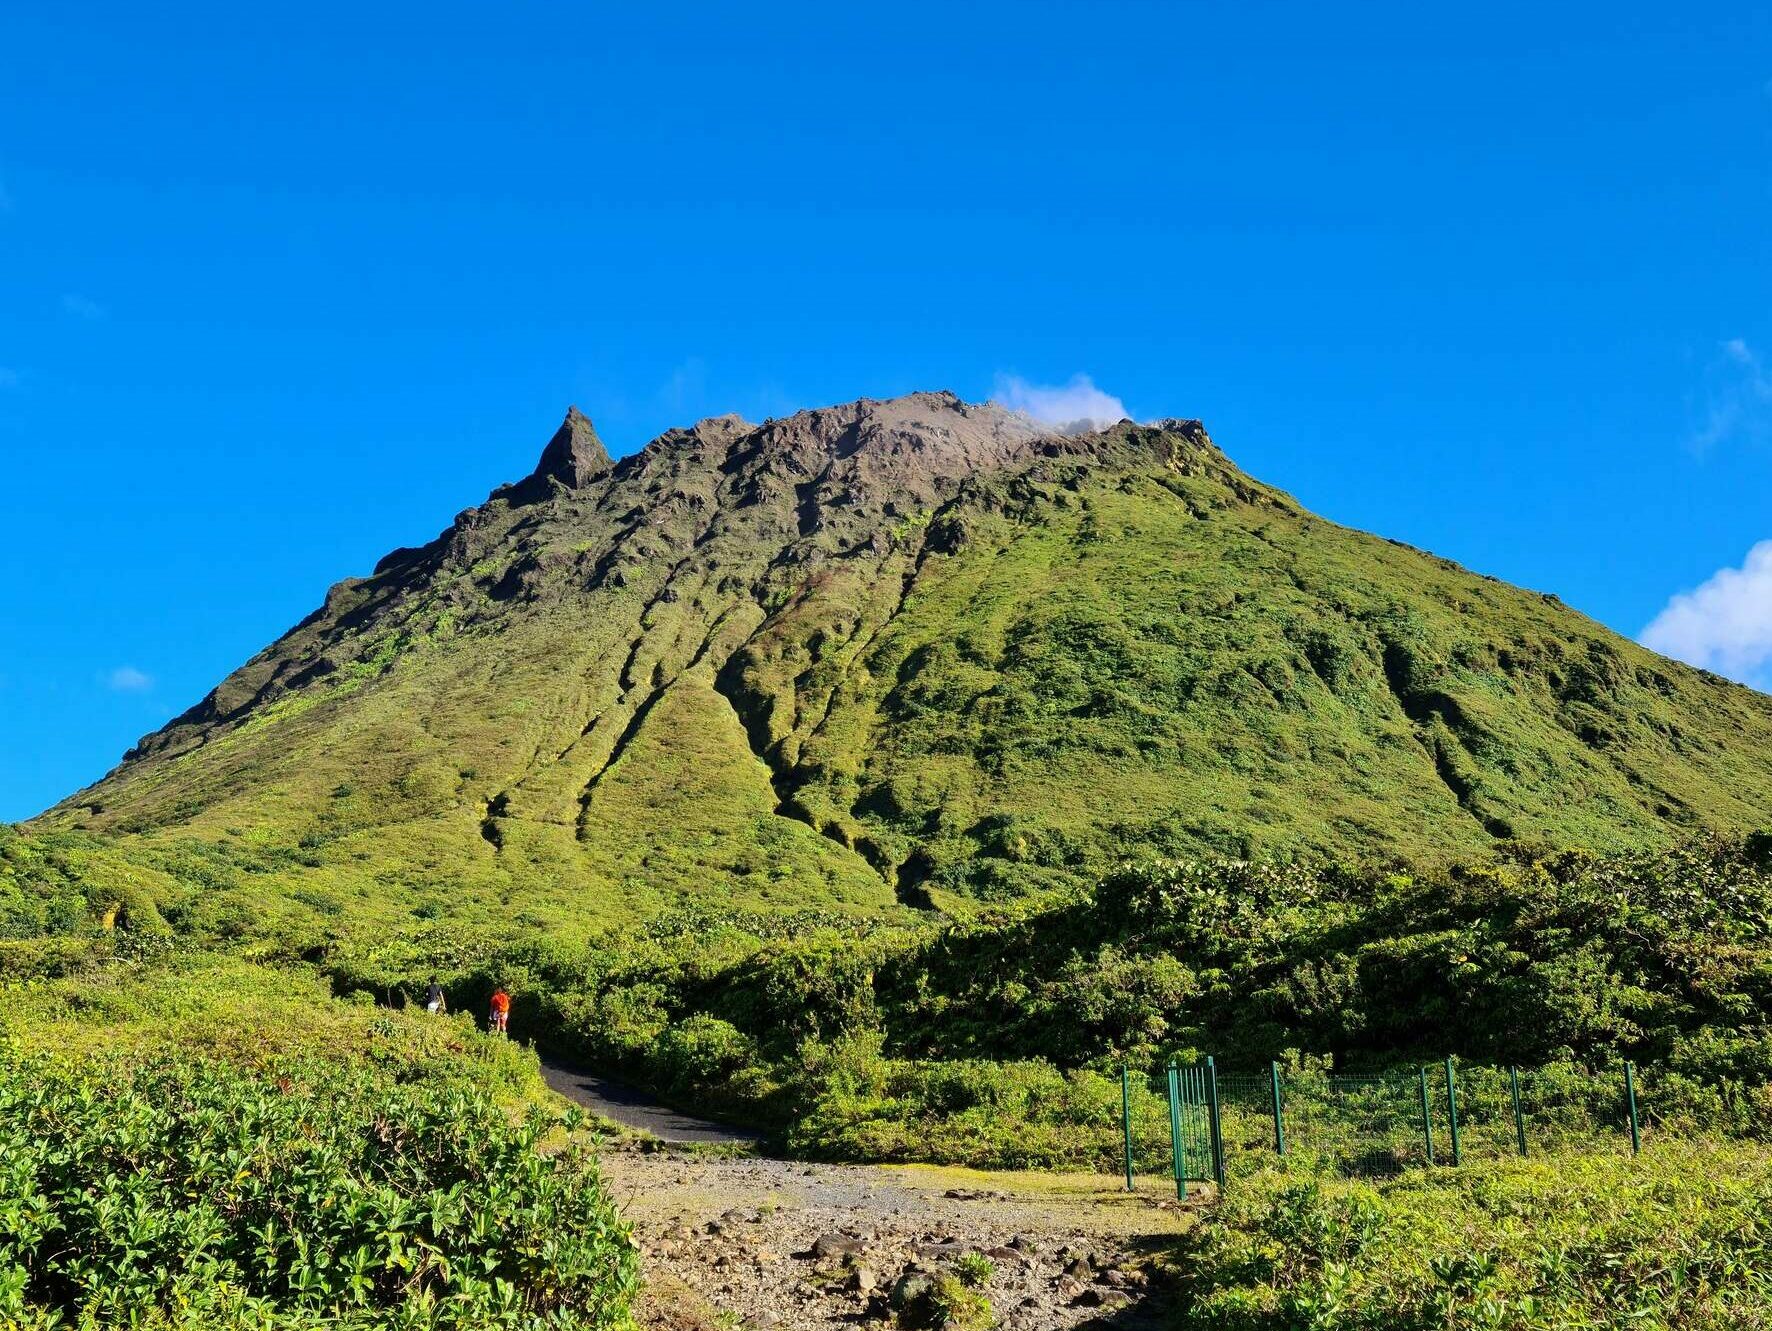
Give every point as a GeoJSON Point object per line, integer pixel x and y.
{"type": "Point", "coordinates": [185, 1192]}
{"type": "Point", "coordinates": [999, 1040]}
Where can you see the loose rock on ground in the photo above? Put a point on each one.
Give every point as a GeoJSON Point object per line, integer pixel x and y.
{"type": "Point", "coordinates": [798, 1247]}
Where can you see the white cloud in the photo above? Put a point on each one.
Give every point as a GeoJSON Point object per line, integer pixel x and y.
{"type": "Point", "coordinates": [1071, 408]}
{"type": "Point", "coordinates": [1725, 624]}
{"type": "Point", "coordinates": [127, 679]}
{"type": "Point", "coordinates": [82, 307]}
{"type": "Point", "coordinates": [1740, 398]}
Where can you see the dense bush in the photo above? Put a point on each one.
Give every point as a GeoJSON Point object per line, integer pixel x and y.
{"type": "Point", "coordinates": [996, 1040]}
{"type": "Point", "coordinates": [187, 1192]}
{"type": "Point", "coordinates": [852, 1103]}
{"type": "Point", "coordinates": [1660, 957]}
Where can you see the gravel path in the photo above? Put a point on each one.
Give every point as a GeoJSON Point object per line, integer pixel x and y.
{"type": "Point", "coordinates": [635, 1109]}
{"type": "Point", "coordinates": [791, 1246]}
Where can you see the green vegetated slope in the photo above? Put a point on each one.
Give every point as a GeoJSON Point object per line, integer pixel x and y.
{"type": "Point", "coordinates": [1676, 1239]}
{"type": "Point", "coordinates": [893, 654]}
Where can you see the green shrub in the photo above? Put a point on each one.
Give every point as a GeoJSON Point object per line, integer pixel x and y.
{"type": "Point", "coordinates": [187, 1192]}
{"type": "Point", "coordinates": [702, 1051]}
{"type": "Point", "coordinates": [960, 1307]}
{"type": "Point", "coordinates": [975, 1269]}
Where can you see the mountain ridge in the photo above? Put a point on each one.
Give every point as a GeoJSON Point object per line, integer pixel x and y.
{"type": "Point", "coordinates": [920, 651]}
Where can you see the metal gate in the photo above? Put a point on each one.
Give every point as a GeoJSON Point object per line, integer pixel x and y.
{"type": "Point", "coordinates": [1195, 1135]}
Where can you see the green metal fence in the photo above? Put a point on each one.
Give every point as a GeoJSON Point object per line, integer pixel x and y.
{"type": "Point", "coordinates": [1197, 1122]}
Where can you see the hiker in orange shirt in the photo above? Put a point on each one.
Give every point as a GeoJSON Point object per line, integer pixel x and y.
{"type": "Point", "coordinates": [501, 1009]}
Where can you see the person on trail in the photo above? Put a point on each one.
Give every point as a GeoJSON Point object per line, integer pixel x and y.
{"type": "Point", "coordinates": [434, 1001]}
{"type": "Point", "coordinates": [501, 1009]}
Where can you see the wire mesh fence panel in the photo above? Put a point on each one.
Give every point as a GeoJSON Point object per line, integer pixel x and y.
{"type": "Point", "coordinates": [1570, 1110]}
{"type": "Point", "coordinates": [1357, 1125]}
{"type": "Point", "coordinates": [1147, 1111]}
{"type": "Point", "coordinates": [1246, 1117]}
{"type": "Point", "coordinates": [1487, 1126]}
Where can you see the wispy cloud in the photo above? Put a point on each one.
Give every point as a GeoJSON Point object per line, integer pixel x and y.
{"type": "Point", "coordinates": [1725, 624]}
{"type": "Point", "coordinates": [1738, 400]}
{"type": "Point", "coordinates": [687, 388]}
{"type": "Point", "coordinates": [1071, 408]}
{"type": "Point", "coordinates": [695, 388]}
{"type": "Point", "coordinates": [82, 307]}
{"type": "Point", "coordinates": [127, 679]}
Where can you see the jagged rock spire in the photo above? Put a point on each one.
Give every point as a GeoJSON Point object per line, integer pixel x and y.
{"type": "Point", "coordinates": [574, 456]}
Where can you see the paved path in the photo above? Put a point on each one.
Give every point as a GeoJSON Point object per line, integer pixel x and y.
{"type": "Point", "coordinates": [635, 1109]}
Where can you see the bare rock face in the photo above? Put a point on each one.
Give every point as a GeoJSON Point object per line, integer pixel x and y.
{"type": "Point", "coordinates": [575, 456]}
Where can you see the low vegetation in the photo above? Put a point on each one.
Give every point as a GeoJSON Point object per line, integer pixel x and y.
{"type": "Point", "coordinates": [189, 1193]}
{"type": "Point", "coordinates": [998, 1040]}
{"type": "Point", "coordinates": [1676, 1240]}
{"type": "Point", "coordinates": [200, 1142]}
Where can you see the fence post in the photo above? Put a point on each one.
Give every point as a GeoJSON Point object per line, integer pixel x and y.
{"type": "Point", "coordinates": [1217, 1131]}
{"type": "Point", "coordinates": [1452, 1111]}
{"type": "Point", "coordinates": [1279, 1112]}
{"type": "Point", "coordinates": [1199, 1115]}
{"type": "Point", "coordinates": [1188, 1080]}
{"type": "Point", "coordinates": [1513, 1085]}
{"type": "Point", "coordinates": [1175, 1131]}
{"type": "Point", "coordinates": [1427, 1118]}
{"type": "Point", "coordinates": [1630, 1095]}
{"type": "Point", "coordinates": [1126, 1118]}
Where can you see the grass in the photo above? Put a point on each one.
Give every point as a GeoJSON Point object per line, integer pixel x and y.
{"type": "Point", "coordinates": [227, 1008]}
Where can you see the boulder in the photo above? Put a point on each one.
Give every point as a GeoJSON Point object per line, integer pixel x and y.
{"type": "Point", "coordinates": [833, 1244]}
{"type": "Point", "coordinates": [911, 1290]}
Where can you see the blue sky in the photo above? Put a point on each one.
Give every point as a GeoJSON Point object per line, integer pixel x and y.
{"type": "Point", "coordinates": [282, 288]}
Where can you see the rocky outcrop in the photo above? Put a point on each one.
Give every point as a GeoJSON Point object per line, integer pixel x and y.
{"type": "Point", "coordinates": [575, 456]}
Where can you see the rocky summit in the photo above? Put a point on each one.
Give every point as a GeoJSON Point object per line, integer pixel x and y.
{"type": "Point", "coordinates": [899, 654]}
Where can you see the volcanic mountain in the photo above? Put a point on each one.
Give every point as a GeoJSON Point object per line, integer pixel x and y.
{"type": "Point", "coordinates": [905, 653]}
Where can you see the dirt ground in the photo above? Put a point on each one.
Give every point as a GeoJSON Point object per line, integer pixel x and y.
{"type": "Point", "coordinates": [779, 1244]}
